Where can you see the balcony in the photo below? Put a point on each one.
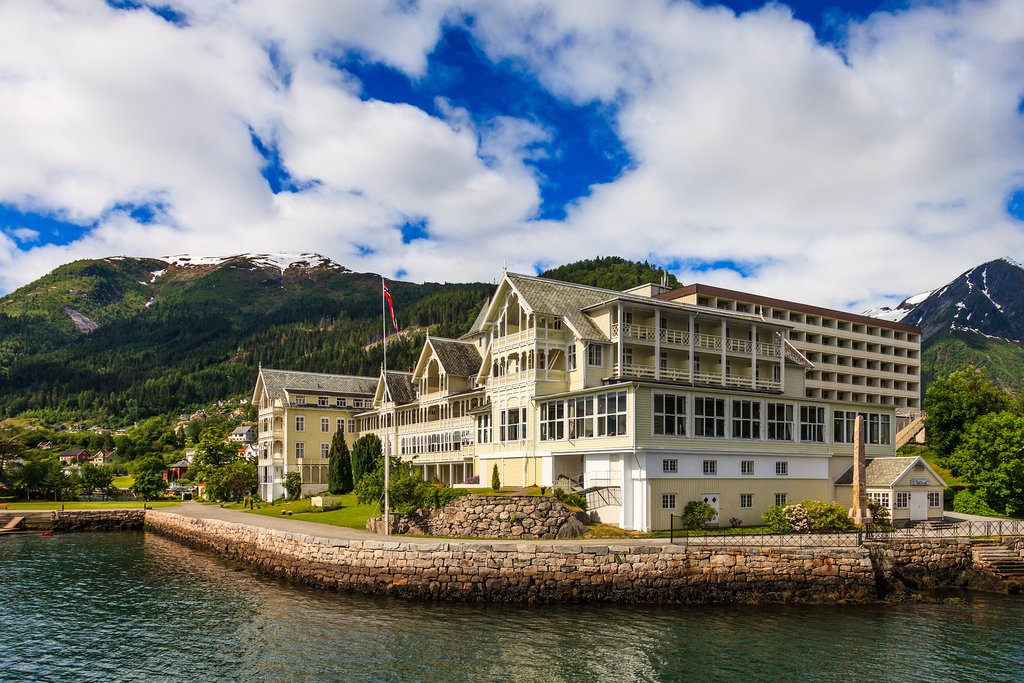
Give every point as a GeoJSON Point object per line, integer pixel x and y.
{"type": "Point", "coordinates": [641, 371]}
{"type": "Point", "coordinates": [528, 376]}
{"type": "Point", "coordinates": [703, 342]}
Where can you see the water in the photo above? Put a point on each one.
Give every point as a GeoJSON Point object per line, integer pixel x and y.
{"type": "Point", "coordinates": [138, 607]}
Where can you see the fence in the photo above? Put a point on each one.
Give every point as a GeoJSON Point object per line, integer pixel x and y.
{"type": "Point", "coordinates": [840, 539]}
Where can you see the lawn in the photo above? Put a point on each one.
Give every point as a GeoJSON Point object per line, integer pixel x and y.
{"type": "Point", "coordinates": [352, 514]}
{"type": "Point", "coordinates": [124, 482]}
{"type": "Point", "coordinates": [86, 505]}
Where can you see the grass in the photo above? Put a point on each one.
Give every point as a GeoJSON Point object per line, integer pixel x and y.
{"type": "Point", "coordinates": [124, 482]}
{"type": "Point", "coordinates": [86, 505]}
{"type": "Point", "coordinates": [352, 514]}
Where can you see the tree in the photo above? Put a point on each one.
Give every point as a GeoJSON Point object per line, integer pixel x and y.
{"type": "Point", "coordinates": [233, 481]}
{"type": "Point", "coordinates": [366, 455]}
{"type": "Point", "coordinates": [211, 453]}
{"type": "Point", "coordinates": [149, 484]}
{"type": "Point", "coordinates": [954, 402]}
{"type": "Point", "coordinates": [96, 478]}
{"type": "Point", "coordinates": [990, 458]}
{"type": "Point", "coordinates": [495, 478]}
{"type": "Point", "coordinates": [57, 482]}
{"type": "Point", "coordinates": [31, 476]}
{"type": "Point", "coordinates": [293, 485]}
{"type": "Point", "coordinates": [697, 513]}
{"type": "Point", "coordinates": [339, 467]}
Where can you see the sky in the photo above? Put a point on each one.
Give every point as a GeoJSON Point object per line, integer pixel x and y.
{"type": "Point", "coordinates": [845, 154]}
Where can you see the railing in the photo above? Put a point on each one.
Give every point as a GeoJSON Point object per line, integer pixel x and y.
{"type": "Point", "coordinates": [707, 341]}
{"type": "Point", "coordinates": [731, 538]}
{"type": "Point", "coordinates": [531, 375]}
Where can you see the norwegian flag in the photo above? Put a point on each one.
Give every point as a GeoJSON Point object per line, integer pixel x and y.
{"type": "Point", "coordinates": [391, 304]}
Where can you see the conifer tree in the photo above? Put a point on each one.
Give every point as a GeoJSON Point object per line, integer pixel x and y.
{"type": "Point", "coordinates": [339, 468]}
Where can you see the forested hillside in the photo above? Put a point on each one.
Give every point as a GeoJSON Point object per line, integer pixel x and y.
{"type": "Point", "coordinates": [169, 336]}
{"type": "Point", "coordinates": [610, 272]}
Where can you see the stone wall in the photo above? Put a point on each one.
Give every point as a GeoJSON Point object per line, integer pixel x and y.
{"type": "Point", "coordinates": [515, 517]}
{"type": "Point", "coordinates": [538, 571]}
{"type": "Point", "coordinates": [924, 563]}
{"type": "Point", "coordinates": [97, 520]}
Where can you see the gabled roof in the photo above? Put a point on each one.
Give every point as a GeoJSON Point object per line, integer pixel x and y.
{"type": "Point", "coordinates": [400, 387]}
{"type": "Point", "coordinates": [76, 452]}
{"type": "Point", "coordinates": [887, 471]}
{"type": "Point", "coordinates": [242, 429]}
{"type": "Point", "coordinates": [279, 382]}
{"type": "Point", "coordinates": [561, 299]}
{"type": "Point", "coordinates": [457, 358]}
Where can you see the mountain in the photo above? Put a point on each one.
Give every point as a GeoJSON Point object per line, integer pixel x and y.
{"type": "Point", "coordinates": [978, 319]}
{"type": "Point", "coordinates": [119, 339]}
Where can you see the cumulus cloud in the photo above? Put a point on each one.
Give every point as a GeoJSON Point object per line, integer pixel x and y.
{"type": "Point", "coordinates": [872, 169]}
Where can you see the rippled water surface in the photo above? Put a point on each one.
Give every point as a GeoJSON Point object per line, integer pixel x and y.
{"type": "Point", "coordinates": [136, 607]}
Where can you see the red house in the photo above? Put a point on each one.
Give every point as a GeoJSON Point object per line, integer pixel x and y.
{"type": "Point", "coordinates": [74, 456]}
{"type": "Point", "coordinates": [176, 471]}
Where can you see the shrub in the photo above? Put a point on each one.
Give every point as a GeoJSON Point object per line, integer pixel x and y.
{"type": "Point", "coordinates": [828, 516]}
{"type": "Point", "coordinates": [970, 503]}
{"type": "Point", "coordinates": [495, 478]}
{"type": "Point", "coordinates": [293, 485]}
{"type": "Point", "coordinates": [784, 518]}
{"type": "Point", "coordinates": [880, 518]}
{"type": "Point", "coordinates": [697, 513]}
{"type": "Point", "coordinates": [475, 479]}
{"type": "Point", "coordinates": [735, 522]}
{"type": "Point", "coordinates": [570, 499]}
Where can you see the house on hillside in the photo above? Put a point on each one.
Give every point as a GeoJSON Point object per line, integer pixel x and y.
{"type": "Point", "coordinates": [176, 471]}
{"type": "Point", "coordinates": [44, 445]}
{"type": "Point", "coordinates": [104, 457]}
{"type": "Point", "coordinates": [243, 434]}
{"type": "Point", "coordinates": [75, 456]}
{"type": "Point", "coordinates": [908, 487]}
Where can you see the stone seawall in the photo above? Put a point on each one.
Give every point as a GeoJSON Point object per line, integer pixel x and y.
{"type": "Point", "coordinates": [96, 520]}
{"type": "Point", "coordinates": [538, 572]}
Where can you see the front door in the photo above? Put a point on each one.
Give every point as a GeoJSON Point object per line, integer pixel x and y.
{"type": "Point", "coordinates": [711, 499]}
{"type": "Point", "coordinates": [918, 506]}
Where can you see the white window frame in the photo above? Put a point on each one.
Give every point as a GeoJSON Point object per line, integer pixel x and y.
{"type": "Point", "coordinates": [671, 419]}
{"type": "Point", "coordinates": [570, 357]}
{"type": "Point", "coordinates": [812, 424]}
{"type": "Point", "coordinates": [300, 400]}
{"type": "Point", "coordinates": [781, 498]}
{"type": "Point", "coordinates": [880, 497]}
{"type": "Point", "coordinates": [747, 467]}
{"type": "Point", "coordinates": [775, 424]}
{"type": "Point", "coordinates": [595, 355]}
{"type": "Point", "coordinates": [610, 411]}
{"type": "Point", "coordinates": [670, 466]}
{"type": "Point", "coordinates": [552, 420]}
{"type": "Point", "coordinates": [483, 428]}
{"type": "Point", "coordinates": [710, 468]}
{"type": "Point", "coordinates": [322, 401]}
{"type": "Point", "coordinates": [781, 468]}
{"type": "Point", "coordinates": [902, 500]}
{"type": "Point", "coordinates": [746, 501]}
{"type": "Point", "coordinates": [934, 499]}
{"type": "Point", "coordinates": [325, 424]}
{"type": "Point", "coordinates": [300, 450]}
{"type": "Point", "coordinates": [300, 423]}
{"type": "Point", "coordinates": [325, 450]}
{"type": "Point", "coordinates": [746, 419]}
{"type": "Point", "coordinates": [668, 501]}
{"type": "Point", "coordinates": [702, 419]}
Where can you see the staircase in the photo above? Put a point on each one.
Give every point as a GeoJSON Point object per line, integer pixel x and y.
{"type": "Point", "coordinates": [910, 431]}
{"type": "Point", "coordinates": [11, 525]}
{"type": "Point", "coordinates": [1004, 562]}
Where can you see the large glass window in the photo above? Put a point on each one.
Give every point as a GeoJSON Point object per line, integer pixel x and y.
{"type": "Point", "coordinates": [611, 414]}
{"type": "Point", "coordinates": [581, 417]}
{"type": "Point", "coordinates": [300, 423]}
{"type": "Point", "coordinates": [669, 415]}
{"type": "Point", "coordinates": [552, 420]}
{"type": "Point", "coordinates": [513, 424]}
{"type": "Point", "coordinates": [325, 424]}
{"type": "Point", "coordinates": [812, 424]}
{"type": "Point", "coordinates": [300, 450]}
{"type": "Point", "coordinates": [483, 428]}
{"type": "Point", "coordinates": [595, 355]}
{"type": "Point", "coordinates": [709, 416]}
{"type": "Point", "coordinates": [780, 421]}
{"type": "Point", "coordinates": [746, 419]}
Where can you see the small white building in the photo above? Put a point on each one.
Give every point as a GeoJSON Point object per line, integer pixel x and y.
{"type": "Point", "coordinates": [243, 434]}
{"type": "Point", "coordinates": [908, 487]}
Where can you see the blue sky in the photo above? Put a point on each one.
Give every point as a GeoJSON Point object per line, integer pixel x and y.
{"type": "Point", "coordinates": [861, 151]}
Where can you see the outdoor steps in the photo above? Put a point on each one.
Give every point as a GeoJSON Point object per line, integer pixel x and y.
{"type": "Point", "coordinates": [1005, 562]}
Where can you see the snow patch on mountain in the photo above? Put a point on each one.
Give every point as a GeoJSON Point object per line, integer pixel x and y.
{"type": "Point", "coordinates": [282, 261]}
{"type": "Point", "coordinates": [897, 314]}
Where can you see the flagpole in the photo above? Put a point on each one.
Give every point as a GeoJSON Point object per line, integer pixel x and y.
{"type": "Point", "coordinates": [387, 459]}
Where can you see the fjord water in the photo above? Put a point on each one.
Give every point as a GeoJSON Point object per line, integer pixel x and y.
{"type": "Point", "coordinates": [138, 607]}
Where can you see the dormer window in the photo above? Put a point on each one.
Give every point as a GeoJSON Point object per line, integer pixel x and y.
{"type": "Point", "coordinates": [300, 400]}
{"type": "Point", "coordinates": [321, 401]}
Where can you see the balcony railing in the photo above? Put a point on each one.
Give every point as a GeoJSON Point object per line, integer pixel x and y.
{"type": "Point", "coordinates": [529, 376]}
{"type": "Point", "coordinates": [643, 371]}
{"type": "Point", "coordinates": [706, 342]}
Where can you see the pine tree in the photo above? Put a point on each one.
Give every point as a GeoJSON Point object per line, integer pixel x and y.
{"type": "Point", "coordinates": [366, 455]}
{"type": "Point", "coordinates": [339, 468]}
{"type": "Point", "coordinates": [495, 478]}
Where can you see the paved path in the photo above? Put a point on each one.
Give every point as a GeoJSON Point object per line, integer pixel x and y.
{"type": "Point", "coordinates": [288, 524]}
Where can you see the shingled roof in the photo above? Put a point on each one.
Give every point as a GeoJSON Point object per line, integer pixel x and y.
{"type": "Point", "coordinates": [400, 387]}
{"type": "Point", "coordinates": [562, 299]}
{"type": "Point", "coordinates": [278, 382]}
{"type": "Point", "coordinates": [880, 471]}
{"type": "Point", "coordinates": [458, 358]}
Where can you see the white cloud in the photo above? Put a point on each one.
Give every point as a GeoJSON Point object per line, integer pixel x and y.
{"type": "Point", "coordinates": [839, 176]}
